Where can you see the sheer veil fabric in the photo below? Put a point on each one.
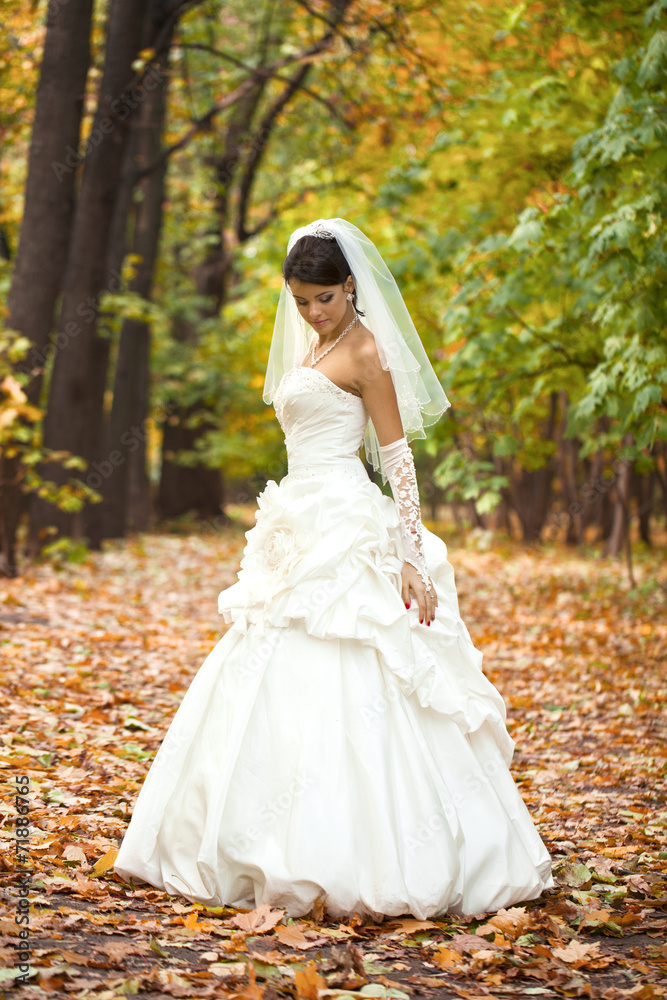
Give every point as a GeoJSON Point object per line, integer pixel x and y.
{"type": "Point", "coordinates": [421, 398]}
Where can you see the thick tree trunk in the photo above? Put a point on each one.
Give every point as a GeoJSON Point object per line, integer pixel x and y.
{"type": "Point", "coordinates": [186, 489]}
{"type": "Point", "coordinates": [196, 488]}
{"type": "Point", "coordinates": [49, 192]}
{"type": "Point", "coordinates": [125, 435]}
{"type": "Point", "coordinates": [47, 220]}
{"type": "Point", "coordinates": [78, 379]}
{"type": "Point", "coordinates": [531, 490]}
{"type": "Point", "coordinates": [11, 506]}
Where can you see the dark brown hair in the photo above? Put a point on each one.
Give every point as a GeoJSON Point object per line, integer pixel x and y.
{"type": "Point", "coordinates": [318, 261]}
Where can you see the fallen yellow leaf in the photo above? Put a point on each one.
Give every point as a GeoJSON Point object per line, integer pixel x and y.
{"type": "Point", "coordinates": [105, 863]}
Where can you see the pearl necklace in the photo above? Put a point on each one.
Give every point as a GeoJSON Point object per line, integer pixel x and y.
{"type": "Point", "coordinates": [314, 362]}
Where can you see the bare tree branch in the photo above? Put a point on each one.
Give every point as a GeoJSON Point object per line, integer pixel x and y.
{"type": "Point", "coordinates": [295, 83]}
{"type": "Point", "coordinates": [279, 207]}
{"type": "Point", "coordinates": [203, 123]}
{"type": "Point", "coordinates": [267, 74]}
{"type": "Point", "coordinates": [334, 24]}
{"type": "Point", "coordinates": [259, 145]}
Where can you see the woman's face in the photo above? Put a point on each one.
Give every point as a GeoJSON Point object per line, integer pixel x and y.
{"type": "Point", "coordinates": [324, 307]}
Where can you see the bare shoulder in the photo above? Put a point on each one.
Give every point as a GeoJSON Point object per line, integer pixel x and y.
{"type": "Point", "coordinates": [365, 358]}
{"type": "Point", "coordinates": [376, 387]}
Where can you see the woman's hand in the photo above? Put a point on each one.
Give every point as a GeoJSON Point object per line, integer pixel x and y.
{"type": "Point", "coordinates": [426, 599]}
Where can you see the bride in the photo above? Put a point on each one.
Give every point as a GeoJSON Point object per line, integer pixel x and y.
{"type": "Point", "coordinates": [340, 741]}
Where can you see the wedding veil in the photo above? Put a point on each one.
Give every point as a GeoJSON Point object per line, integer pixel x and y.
{"type": "Point", "coordinates": [421, 398]}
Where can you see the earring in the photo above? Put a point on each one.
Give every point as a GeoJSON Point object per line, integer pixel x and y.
{"type": "Point", "coordinates": [350, 298]}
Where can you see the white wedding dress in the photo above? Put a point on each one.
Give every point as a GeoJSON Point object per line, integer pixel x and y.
{"type": "Point", "coordinates": [330, 745]}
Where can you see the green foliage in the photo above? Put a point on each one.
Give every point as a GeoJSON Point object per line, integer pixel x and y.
{"type": "Point", "coordinates": [568, 299]}
{"type": "Point", "coordinates": [464, 480]}
{"type": "Point", "coordinates": [517, 193]}
{"type": "Point", "coordinates": [574, 295]}
{"type": "Point", "coordinates": [66, 550]}
{"type": "Point", "coordinates": [21, 438]}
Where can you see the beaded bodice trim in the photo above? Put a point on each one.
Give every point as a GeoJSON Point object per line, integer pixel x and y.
{"type": "Point", "coordinates": [304, 374]}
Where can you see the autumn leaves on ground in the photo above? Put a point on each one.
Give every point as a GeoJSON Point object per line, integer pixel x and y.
{"type": "Point", "coordinates": [96, 657]}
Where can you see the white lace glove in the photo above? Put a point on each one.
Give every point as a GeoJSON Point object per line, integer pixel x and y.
{"type": "Point", "coordinates": [399, 467]}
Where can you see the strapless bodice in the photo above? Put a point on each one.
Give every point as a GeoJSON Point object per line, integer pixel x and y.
{"type": "Point", "coordinates": [323, 424]}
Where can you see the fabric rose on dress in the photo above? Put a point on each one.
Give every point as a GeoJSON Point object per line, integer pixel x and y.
{"type": "Point", "coordinates": [281, 550]}
{"type": "Point", "coordinates": [275, 546]}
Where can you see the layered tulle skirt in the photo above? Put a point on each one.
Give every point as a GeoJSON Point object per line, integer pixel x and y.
{"type": "Point", "coordinates": [330, 745]}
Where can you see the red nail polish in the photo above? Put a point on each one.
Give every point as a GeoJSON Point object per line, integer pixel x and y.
{"type": "Point", "coordinates": [428, 623]}
{"type": "Point", "coordinates": [407, 605]}
{"type": "Point", "coordinates": [421, 621]}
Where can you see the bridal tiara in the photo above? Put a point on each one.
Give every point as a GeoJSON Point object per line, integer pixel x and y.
{"type": "Point", "coordinates": [319, 230]}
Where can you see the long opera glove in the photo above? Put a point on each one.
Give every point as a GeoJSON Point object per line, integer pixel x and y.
{"type": "Point", "coordinates": [399, 468]}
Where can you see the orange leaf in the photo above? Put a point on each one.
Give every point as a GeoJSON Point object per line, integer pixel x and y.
{"type": "Point", "coordinates": [258, 921]}
{"type": "Point", "coordinates": [293, 937]}
{"type": "Point", "coordinates": [446, 958]}
{"type": "Point", "coordinates": [308, 982]}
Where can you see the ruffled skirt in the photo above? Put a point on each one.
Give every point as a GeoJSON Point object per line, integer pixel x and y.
{"type": "Point", "coordinates": [331, 746]}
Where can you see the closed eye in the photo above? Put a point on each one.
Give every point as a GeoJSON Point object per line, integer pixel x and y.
{"type": "Point", "coordinates": [321, 300]}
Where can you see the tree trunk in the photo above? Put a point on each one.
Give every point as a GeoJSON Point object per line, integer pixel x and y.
{"type": "Point", "coordinates": [49, 192]}
{"type": "Point", "coordinates": [621, 522]}
{"type": "Point", "coordinates": [659, 453]}
{"type": "Point", "coordinates": [138, 506]}
{"type": "Point", "coordinates": [11, 505]}
{"type": "Point", "coordinates": [186, 489]}
{"type": "Point", "coordinates": [125, 435]}
{"type": "Point", "coordinates": [568, 450]}
{"type": "Point", "coordinates": [501, 518]}
{"type": "Point", "coordinates": [5, 248]}
{"type": "Point", "coordinates": [73, 418]}
{"type": "Point", "coordinates": [570, 461]}
{"type": "Point", "coordinates": [197, 488]}
{"type": "Point", "coordinates": [47, 221]}
{"type": "Point", "coordinates": [531, 488]}
{"type": "Point", "coordinates": [644, 490]}
{"type": "Point", "coordinates": [592, 493]}
{"type": "Point", "coordinates": [476, 519]}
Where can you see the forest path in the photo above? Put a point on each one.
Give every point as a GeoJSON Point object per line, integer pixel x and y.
{"type": "Point", "coordinates": [96, 657]}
